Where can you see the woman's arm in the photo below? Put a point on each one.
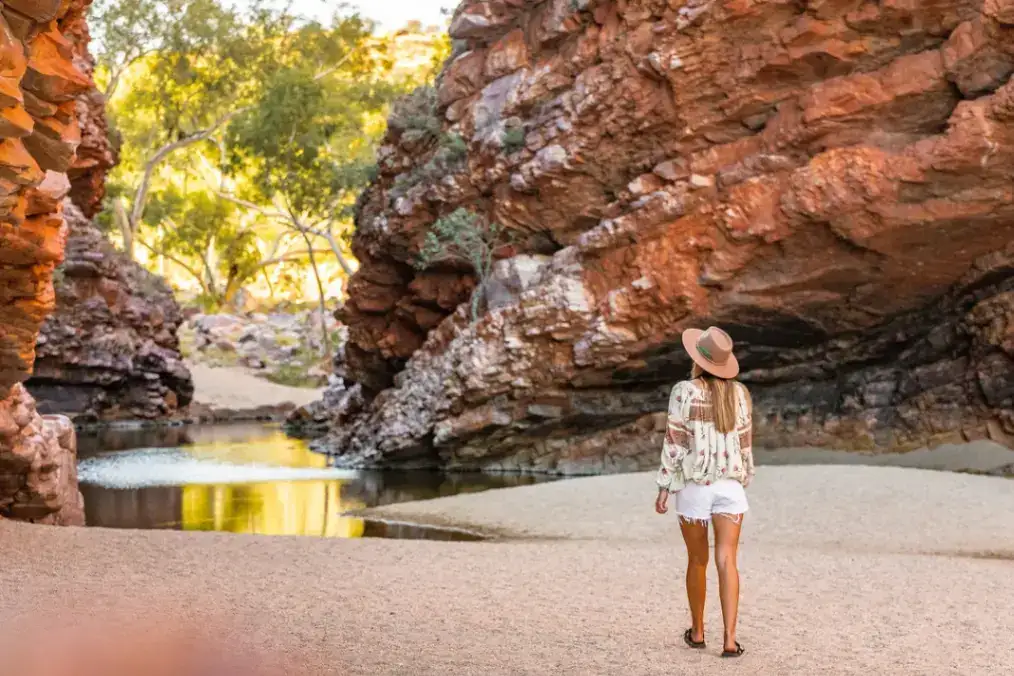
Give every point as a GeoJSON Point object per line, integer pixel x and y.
{"type": "Point", "coordinates": [676, 444]}
{"type": "Point", "coordinates": [745, 431]}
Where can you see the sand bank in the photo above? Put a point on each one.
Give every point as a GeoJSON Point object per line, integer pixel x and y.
{"type": "Point", "coordinates": [236, 388]}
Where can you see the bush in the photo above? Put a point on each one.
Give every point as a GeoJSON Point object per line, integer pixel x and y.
{"type": "Point", "coordinates": [513, 140]}
{"type": "Point", "coordinates": [59, 277]}
{"type": "Point", "coordinates": [294, 375]}
{"type": "Point", "coordinates": [462, 236]}
{"type": "Point", "coordinates": [416, 112]}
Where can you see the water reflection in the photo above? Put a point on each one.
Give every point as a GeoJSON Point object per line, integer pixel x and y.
{"type": "Point", "coordinates": [210, 470]}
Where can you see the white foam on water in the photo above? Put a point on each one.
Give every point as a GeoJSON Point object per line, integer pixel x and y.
{"type": "Point", "coordinates": [171, 467]}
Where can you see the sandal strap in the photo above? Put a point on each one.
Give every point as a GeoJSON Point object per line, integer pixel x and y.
{"type": "Point", "coordinates": [688, 636]}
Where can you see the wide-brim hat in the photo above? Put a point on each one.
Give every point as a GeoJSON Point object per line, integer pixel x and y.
{"type": "Point", "coordinates": [712, 351]}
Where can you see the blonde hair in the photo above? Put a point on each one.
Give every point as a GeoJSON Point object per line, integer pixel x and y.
{"type": "Point", "coordinates": [722, 393]}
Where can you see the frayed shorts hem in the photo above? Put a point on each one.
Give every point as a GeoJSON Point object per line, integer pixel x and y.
{"type": "Point", "coordinates": [735, 517]}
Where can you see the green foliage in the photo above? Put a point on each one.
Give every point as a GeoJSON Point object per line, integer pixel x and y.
{"type": "Point", "coordinates": [455, 146]}
{"type": "Point", "coordinates": [198, 226]}
{"type": "Point", "coordinates": [245, 134]}
{"type": "Point", "coordinates": [417, 113]}
{"type": "Point", "coordinates": [295, 372]}
{"type": "Point", "coordinates": [513, 140]}
{"type": "Point", "coordinates": [184, 63]}
{"type": "Point", "coordinates": [464, 237]}
{"type": "Point", "coordinates": [307, 138]}
{"type": "Point", "coordinates": [59, 277]}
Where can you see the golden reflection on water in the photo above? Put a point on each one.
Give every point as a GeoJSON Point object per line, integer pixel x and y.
{"type": "Point", "coordinates": [268, 508]}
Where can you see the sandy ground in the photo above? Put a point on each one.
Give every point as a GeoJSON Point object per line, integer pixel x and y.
{"type": "Point", "coordinates": [846, 570]}
{"type": "Point", "coordinates": [236, 388]}
{"type": "Point", "coordinates": [977, 457]}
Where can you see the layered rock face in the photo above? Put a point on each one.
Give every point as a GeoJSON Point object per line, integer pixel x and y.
{"type": "Point", "coordinates": [109, 351]}
{"type": "Point", "coordinates": [39, 135]}
{"type": "Point", "coordinates": [95, 156]}
{"type": "Point", "coordinates": [830, 181]}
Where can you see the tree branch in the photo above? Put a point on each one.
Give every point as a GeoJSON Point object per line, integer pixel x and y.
{"type": "Point", "coordinates": [175, 260]}
{"type": "Point", "coordinates": [116, 74]}
{"type": "Point", "coordinates": [255, 207]}
{"type": "Point", "coordinates": [286, 257]}
{"type": "Point", "coordinates": [141, 195]}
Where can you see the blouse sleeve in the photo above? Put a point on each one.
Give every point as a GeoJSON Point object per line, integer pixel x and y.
{"type": "Point", "coordinates": [676, 444]}
{"type": "Point", "coordinates": [744, 428]}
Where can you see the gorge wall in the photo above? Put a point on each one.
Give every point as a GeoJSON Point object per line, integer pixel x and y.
{"type": "Point", "coordinates": [43, 90]}
{"type": "Point", "coordinates": [831, 181]}
{"type": "Point", "coordinates": [109, 349]}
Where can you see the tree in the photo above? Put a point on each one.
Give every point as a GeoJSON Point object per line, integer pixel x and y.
{"type": "Point", "coordinates": [306, 147]}
{"type": "Point", "coordinates": [464, 237]}
{"type": "Point", "coordinates": [187, 77]}
{"type": "Point", "coordinates": [274, 117]}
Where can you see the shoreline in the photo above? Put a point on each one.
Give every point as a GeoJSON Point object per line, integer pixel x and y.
{"type": "Point", "coordinates": [978, 457]}
{"type": "Point", "coordinates": [561, 510]}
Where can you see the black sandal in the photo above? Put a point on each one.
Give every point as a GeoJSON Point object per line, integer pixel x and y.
{"type": "Point", "coordinates": [734, 653]}
{"type": "Point", "coordinates": [689, 640]}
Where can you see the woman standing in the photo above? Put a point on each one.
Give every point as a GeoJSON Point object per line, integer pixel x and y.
{"type": "Point", "coordinates": [707, 461]}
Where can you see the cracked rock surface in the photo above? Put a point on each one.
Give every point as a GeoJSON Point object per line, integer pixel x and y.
{"type": "Point", "coordinates": [830, 181]}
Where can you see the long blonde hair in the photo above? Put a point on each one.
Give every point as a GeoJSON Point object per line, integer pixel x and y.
{"type": "Point", "coordinates": [722, 393]}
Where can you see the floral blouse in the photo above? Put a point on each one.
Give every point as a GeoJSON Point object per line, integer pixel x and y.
{"type": "Point", "coordinates": [694, 451]}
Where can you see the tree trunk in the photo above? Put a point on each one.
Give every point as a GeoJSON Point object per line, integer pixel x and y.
{"type": "Point", "coordinates": [326, 339]}
{"type": "Point", "coordinates": [126, 227]}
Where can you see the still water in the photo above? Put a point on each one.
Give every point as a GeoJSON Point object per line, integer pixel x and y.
{"type": "Point", "coordinates": [248, 478]}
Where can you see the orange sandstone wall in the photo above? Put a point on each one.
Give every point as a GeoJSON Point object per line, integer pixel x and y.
{"type": "Point", "coordinates": [41, 85]}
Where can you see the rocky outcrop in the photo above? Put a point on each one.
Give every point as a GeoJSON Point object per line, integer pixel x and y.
{"type": "Point", "coordinates": [109, 351]}
{"type": "Point", "coordinates": [283, 347]}
{"type": "Point", "coordinates": [832, 182]}
{"type": "Point", "coordinates": [38, 464]}
{"type": "Point", "coordinates": [39, 136]}
{"type": "Point", "coordinates": [95, 155]}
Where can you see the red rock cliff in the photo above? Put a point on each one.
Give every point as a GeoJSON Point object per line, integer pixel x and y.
{"type": "Point", "coordinates": [109, 350]}
{"type": "Point", "coordinates": [41, 85]}
{"type": "Point", "coordinates": [832, 181]}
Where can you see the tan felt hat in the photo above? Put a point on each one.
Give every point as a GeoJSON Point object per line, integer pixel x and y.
{"type": "Point", "coordinates": [712, 351]}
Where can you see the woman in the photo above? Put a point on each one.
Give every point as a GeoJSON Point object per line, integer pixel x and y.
{"type": "Point", "coordinates": [707, 461]}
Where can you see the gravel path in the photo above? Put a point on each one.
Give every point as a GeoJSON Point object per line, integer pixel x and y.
{"type": "Point", "coordinates": [847, 570]}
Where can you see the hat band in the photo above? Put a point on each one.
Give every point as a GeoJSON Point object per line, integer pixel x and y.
{"type": "Point", "coordinates": [706, 353]}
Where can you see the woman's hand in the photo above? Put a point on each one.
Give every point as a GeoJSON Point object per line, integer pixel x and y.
{"type": "Point", "coordinates": [662, 502]}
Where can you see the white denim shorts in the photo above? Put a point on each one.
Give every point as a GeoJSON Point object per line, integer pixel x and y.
{"type": "Point", "coordinates": [698, 502]}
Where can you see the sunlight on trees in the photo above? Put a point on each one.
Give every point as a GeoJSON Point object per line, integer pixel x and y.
{"type": "Point", "coordinates": [245, 137]}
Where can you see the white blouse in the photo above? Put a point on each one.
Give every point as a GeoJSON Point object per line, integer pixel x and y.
{"type": "Point", "coordinates": [694, 451]}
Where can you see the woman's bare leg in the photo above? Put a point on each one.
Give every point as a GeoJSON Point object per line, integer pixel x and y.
{"type": "Point", "coordinates": [695, 535]}
{"type": "Point", "coordinates": [727, 528]}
